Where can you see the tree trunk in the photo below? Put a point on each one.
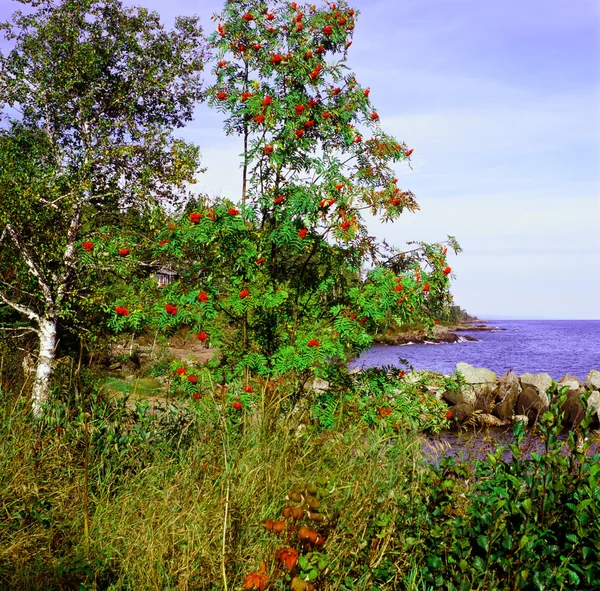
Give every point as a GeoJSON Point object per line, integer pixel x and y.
{"type": "Point", "coordinates": [41, 384]}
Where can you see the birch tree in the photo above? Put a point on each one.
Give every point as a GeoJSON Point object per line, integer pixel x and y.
{"type": "Point", "coordinates": [90, 93]}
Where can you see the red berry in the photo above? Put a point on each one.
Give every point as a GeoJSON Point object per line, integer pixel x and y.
{"type": "Point", "coordinates": [202, 336]}
{"type": "Point", "coordinates": [244, 293]}
{"type": "Point", "coordinates": [124, 251]}
{"type": "Point", "coordinates": [237, 405]}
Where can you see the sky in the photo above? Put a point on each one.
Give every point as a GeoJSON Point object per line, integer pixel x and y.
{"type": "Point", "coordinates": [501, 103]}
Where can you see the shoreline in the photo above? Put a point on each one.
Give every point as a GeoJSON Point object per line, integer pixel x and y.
{"type": "Point", "coordinates": [441, 334]}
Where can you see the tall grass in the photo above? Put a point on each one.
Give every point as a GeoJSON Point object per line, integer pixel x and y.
{"type": "Point", "coordinates": [100, 496]}
{"type": "Point", "coordinates": [160, 487]}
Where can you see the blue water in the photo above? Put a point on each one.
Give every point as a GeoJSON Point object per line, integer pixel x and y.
{"type": "Point", "coordinates": [557, 347]}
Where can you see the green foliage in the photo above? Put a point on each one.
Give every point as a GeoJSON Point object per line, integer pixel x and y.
{"type": "Point", "coordinates": [280, 274]}
{"type": "Point", "coordinates": [90, 93]}
{"type": "Point", "coordinates": [529, 523]}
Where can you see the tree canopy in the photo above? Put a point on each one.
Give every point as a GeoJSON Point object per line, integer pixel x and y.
{"type": "Point", "coordinates": [90, 93]}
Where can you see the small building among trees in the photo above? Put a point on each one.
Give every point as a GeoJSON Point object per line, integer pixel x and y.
{"type": "Point", "coordinates": [165, 276]}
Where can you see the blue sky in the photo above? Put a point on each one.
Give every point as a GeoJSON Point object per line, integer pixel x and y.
{"type": "Point", "coordinates": [501, 103]}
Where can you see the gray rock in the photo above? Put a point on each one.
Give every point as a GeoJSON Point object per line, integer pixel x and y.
{"type": "Point", "coordinates": [541, 382]}
{"type": "Point", "coordinates": [475, 375]}
{"type": "Point", "coordinates": [521, 418]}
{"type": "Point", "coordinates": [507, 392]}
{"type": "Point", "coordinates": [469, 394]}
{"type": "Point", "coordinates": [320, 385]}
{"type": "Point", "coordinates": [485, 396]}
{"type": "Point", "coordinates": [592, 380]}
{"type": "Point", "coordinates": [530, 404]}
{"type": "Point", "coordinates": [573, 409]}
{"type": "Point", "coordinates": [461, 411]}
{"type": "Point", "coordinates": [486, 420]}
{"type": "Point", "coordinates": [594, 404]}
{"type": "Point", "coordinates": [573, 382]}
{"type": "Point", "coordinates": [452, 397]}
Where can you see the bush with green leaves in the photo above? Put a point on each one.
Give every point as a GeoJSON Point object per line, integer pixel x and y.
{"type": "Point", "coordinates": [532, 522]}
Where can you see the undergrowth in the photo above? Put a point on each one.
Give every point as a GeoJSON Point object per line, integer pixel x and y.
{"type": "Point", "coordinates": [204, 495]}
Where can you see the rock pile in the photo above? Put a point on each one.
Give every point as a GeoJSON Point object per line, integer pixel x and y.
{"type": "Point", "coordinates": [489, 400]}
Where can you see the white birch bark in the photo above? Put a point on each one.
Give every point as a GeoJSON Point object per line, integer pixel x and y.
{"type": "Point", "coordinates": [41, 383]}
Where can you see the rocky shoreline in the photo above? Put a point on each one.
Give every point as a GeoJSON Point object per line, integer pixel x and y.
{"type": "Point", "coordinates": [487, 400]}
{"type": "Point", "coordinates": [441, 334]}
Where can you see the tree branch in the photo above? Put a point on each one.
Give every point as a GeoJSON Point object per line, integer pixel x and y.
{"type": "Point", "coordinates": [26, 256]}
{"type": "Point", "coordinates": [69, 254]}
{"type": "Point", "coordinates": [21, 309]}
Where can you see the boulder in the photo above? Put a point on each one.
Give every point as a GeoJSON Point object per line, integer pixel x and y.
{"type": "Point", "coordinates": [507, 392]}
{"type": "Point", "coordinates": [475, 375]}
{"type": "Point", "coordinates": [521, 418]}
{"type": "Point", "coordinates": [452, 397]}
{"type": "Point", "coordinates": [541, 382]}
{"type": "Point", "coordinates": [485, 397]}
{"type": "Point", "coordinates": [573, 409]}
{"type": "Point", "coordinates": [469, 394]}
{"type": "Point", "coordinates": [461, 411]}
{"type": "Point", "coordinates": [573, 382]}
{"type": "Point", "coordinates": [482, 419]}
{"type": "Point", "coordinates": [594, 404]}
{"type": "Point", "coordinates": [592, 380]}
{"type": "Point", "coordinates": [320, 385]}
{"type": "Point", "coordinates": [530, 404]}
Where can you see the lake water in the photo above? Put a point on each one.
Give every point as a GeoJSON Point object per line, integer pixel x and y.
{"type": "Point", "coordinates": [557, 347]}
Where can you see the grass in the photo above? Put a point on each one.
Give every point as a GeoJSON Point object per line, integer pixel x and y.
{"type": "Point", "coordinates": [159, 487]}
{"type": "Point", "coordinates": [136, 388]}
{"type": "Point", "coordinates": [116, 498]}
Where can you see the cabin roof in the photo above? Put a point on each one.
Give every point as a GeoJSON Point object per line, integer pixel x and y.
{"type": "Point", "coordinates": [165, 271]}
